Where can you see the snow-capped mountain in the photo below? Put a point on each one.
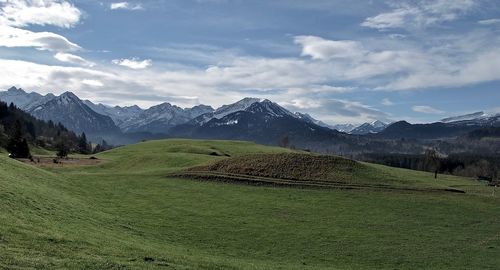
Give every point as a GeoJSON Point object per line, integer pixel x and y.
{"type": "Point", "coordinates": [157, 119]}
{"type": "Point", "coordinates": [237, 106]}
{"type": "Point", "coordinates": [225, 110]}
{"type": "Point", "coordinates": [262, 121]}
{"type": "Point", "coordinates": [69, 110]}
{"type": "Point", "coordinates": [309, 118]}
{"type": "Point", "coordinates": [198, 110]}
{"type": "Point", "coordinates": [85, 116]}
{"type": "Point", "coordinates": [250, 118]}
{"type": "Point", "coordinates": [162, 117]}
{"type": "Point", "coordinates": [466, 117]}
{"type": "Point", "coordinates": [117, 113]}
{"type": "Point", "coordinates": [269, 108]}
{"type": "Point", "coordinates": [24, 101]}
{"type": "Point", "coordinates": [346, 128]}
{"type": "Point", "coordinates": [247, 104]}
{"type": "Point", "coordinates": [369, 128]}
{"type": "Point", "coordinates": [474, 119]}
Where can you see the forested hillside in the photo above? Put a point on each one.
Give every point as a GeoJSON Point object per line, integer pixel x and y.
{"type": "Point", "coordinates": [19, 130]}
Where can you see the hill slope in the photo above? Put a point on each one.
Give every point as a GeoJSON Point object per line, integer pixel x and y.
{"type": "Point", "coordinates": [125, 214]}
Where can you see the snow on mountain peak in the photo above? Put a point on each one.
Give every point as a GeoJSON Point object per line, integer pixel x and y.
{"type": "Point", "coordinates": [466, 117]}
{"type": "Point", "coordinates": [378, 124]}
{"type": "Point", "coordinates": [367, 128]}
{"type": "Point", "coordinates": [15, 90]}
{"type": "Point", "coordinates": [68, 98]}
{"type": "Point", "coordinates": [237, 106]}
{"type": "Point", "coordinates": [308, 118]}
{"type": "Point", "coordinates": [270, 108]}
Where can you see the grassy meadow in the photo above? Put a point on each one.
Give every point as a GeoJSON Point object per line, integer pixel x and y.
{"type": "Point", "coordinates": [126, 213]}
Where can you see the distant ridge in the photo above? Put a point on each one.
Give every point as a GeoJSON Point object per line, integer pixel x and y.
{"type": "Point", "coordinates": [253, 119]}
{"type": "Point", "coordinates": [465, 117]}
{"type": "Point", "coordinates": [257, 120]}
{"type": "Point", "coordinates": [369, 128]}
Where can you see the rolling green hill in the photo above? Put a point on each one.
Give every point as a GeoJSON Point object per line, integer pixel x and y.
{"type": "Point", "coordinates": [125, 213]}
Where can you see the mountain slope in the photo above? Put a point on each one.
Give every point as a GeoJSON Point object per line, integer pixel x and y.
{"type": "Point", "coordinates": [466, 117]}
{"type": "Point", "coordinates": [262, 121]}
{"type": "Point", "coordinates": [346, 128]}
{"type": "Point", "coordinates": [161, 118]}
{"type": "Point", "coordinates": [368, 128]}
{"type": "Point", "coordinates": [403, 129]}
{"type": "Point", "coordinates": [69, 110]}
{"type": "Point", "coordinates": [35, 131]}
{"type": "Point", "coordinates": [224, 110]}
{"type": "Point", "coordinates": [118, 114]}
{"type": "Point", "coordinates": [22, 100]}
{"type": "Point", "coordinates": [306, 117]}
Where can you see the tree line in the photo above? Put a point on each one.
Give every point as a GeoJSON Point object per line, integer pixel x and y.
{"type": "Point", "coordinates": [480, 166]}
{"type": "Point", "coordinates": [19, 130]}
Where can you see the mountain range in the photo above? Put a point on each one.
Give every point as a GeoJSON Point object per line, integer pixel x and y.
{"type": "Point", "coordinates": [157, 119]}
{"type": "Point", "coordinates": [254, 119]}
{"type": "Point", "coordinates": [258, 120]}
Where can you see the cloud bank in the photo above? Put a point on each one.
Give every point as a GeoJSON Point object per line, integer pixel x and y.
{"type": "Point", "coordinates": [20, 13]}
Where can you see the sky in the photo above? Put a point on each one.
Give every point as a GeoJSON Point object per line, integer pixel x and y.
{"type": "Point", "coordinates": [340, 61]}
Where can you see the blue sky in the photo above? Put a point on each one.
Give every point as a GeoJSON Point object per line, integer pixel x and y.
{"type": "Point", "coordinates": [340, 61]}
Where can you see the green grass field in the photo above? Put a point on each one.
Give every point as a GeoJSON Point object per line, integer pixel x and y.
{"type": "Point", "coordinates": [127, 214]}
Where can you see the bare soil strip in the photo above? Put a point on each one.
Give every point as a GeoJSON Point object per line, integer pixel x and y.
{"type": "Point", "coordinates": [315, 184]}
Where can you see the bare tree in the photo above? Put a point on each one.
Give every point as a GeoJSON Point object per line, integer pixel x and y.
{"type": "Point", "coordinates": [285, 141]}
{"type": "Point", "coordinates": [434, 160]}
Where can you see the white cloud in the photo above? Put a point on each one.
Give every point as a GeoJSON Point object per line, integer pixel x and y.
{"type": "Point", "coordinates": [351, 60]}
{"type": "Point", "coordinates": [302, 82]}
{"type": "Point", "coordinates": [426, 109]}
{"type": "Point", "coordinates": [15, 37]}
{"type": "Point", "coordinates": [286, 79]}
{"type": "Point", "coordinates": [483, 67]}
{"type": "Point", "coordinates": [419, 14]}
{"type": "Point", "coordinates": [31, 75]}
{"type": "Point", "coordinates": [133, 63]}
{"type": "Point", "coordinates": [387, 102]}
{"type": "Point", "coordinates": [21, 13]}
{"type": "Point", "coordinates": [323, 49]}
{"type": "Point", "coordinates": [450, 61]}
{"type": "Point", "coordinates": [94, 83]}
{"type": "Point", "coordinates": [394, 19]}
{"type": "Point", "coordinates": [489, 21]}
{"type": "Point", "coordinates": [336, 110]}
{"type": "Point", "coordinates": [319, 89]}
{"type": "Point", "coordinates": [397, 36]}
{"type": "Point", "coordinates": [73, 59]}
{"type": "Point", "coordinates": [125, 5]}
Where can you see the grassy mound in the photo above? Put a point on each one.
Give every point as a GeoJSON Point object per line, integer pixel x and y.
{"type": "Point", "coordinates": [308, 170]}
{"type": "Point", "coordinates": [288, 166]}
